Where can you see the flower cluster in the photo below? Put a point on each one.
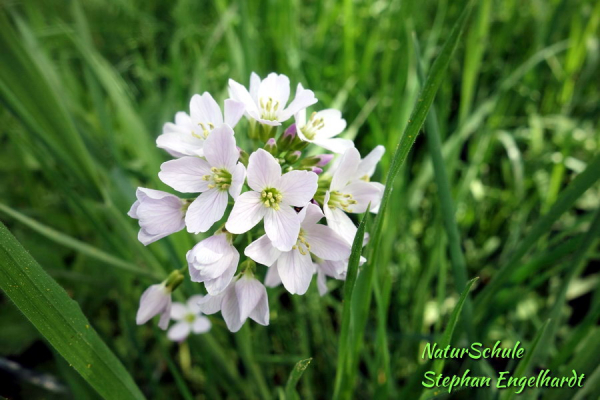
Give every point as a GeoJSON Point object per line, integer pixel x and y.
{"type": "Point", "coordinates": [269, 204]}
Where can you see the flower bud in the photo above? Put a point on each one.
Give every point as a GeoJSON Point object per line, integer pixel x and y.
{"type": "Point", "coordinates": [271, 146]}
{"type": "Point", "coordinates": [317, 170]}
{"type": "Point", "coordinates": [293, 156]}
{"type": "Point", "coordinates": [243, 156]}
{"type": "Point", "coordinates": [319, 160]}
{"type": "Point", "coordinates": [285, 140]}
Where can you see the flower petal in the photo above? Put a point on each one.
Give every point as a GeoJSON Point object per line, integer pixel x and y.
{"type": "Point", "coordinates": [219, 284]}
{"type": "Point", "coordinates": [303, 99]}
{"type": "Point", "coordinates": [313, 214]}
{"type": "Point", "coordinates": [260, 314]}
{"type": "Point", "coordinates": [165, 317]}
{"type": "Point", "coordinates": [231, 311]}
{"type": "Point", "coordinates": [333, 123]}
{"type": "Point", "coordinates": [220, 149]}
{"type": "Point", "coordinates": [325, 243]}
{"type": "Point", "coordinates": [340, 223]}
{"type": "Point", "coordinates": [179, 331]}
{"type": "Point", "coordinates": [296, 271]}
{"type": "Point", "coordinates": [205, 109]}
{"type": "Point", "coordinates": [262, 251]}
{"type": "Point", "coordinates": [368, 164]}
{"type": "Point", "coordinates": [239, 93]}
{"type": "Point", "coordinates": [185, 174]}
{"type": "Point", "coordinates": [211, 304]}
{"type": "Point", "coordinates": [178, 311]}
{"type": "Point", "coordinates": [363, 193]}
{"type": "Point", "coordinates": [346, 169]}
{"type": "Point", "coordinates": [276, 87]}
{"type": "Point", "coordinates": [336, 145]}
{"type": "Point", "coordinates": [237, 180]}
{"type": "Point", "coordinates": [249, 292]}
{"type": "Point", "coordinates": [298, 187]}
{"type": "Point", "coordinates": [263, 171]}
{"type": "Point", "coordinates": [282, 227]}
{"type": "Point", "coordinates": [207, 209]}
{"type": "Point", "coordinates": [192, 303]}
{"type": "Point", "coordinates": [233, 112]}
{"type": "Point", "coordinates": [247, 211]}
{"type": "Point", "coordinates": [201, 325]}
{"type": "Point", "coordinates": [272, 278]}
{"type": "Point", "coordinates": [153, 301]}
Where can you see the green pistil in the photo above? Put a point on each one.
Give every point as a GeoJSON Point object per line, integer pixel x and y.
{"type": "Point", "coordinates": [341, 200]}
{"type": "Point", "coordinates": [269, 108]}
{"type": "Point", "coordinates": [312, 126]}
{"type": "Point", "coordinates": [190, 318]}
{"type": "Point", "coordinates": [301, 244]}
{"type": "Point", "coordinates": [271, 198]}
{"type": "Point", "coordinates": [220, 179]}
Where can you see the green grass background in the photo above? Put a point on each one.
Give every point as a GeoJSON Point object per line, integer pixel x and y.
{"type": "Point", "coordinates": [86, 86]}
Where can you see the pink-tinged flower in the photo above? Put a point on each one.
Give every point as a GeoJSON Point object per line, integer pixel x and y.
{"type": "Point", "coordinates": [244, 298]}
{"type": "Point", "coordinates": [214, 262]}
{"type": "Point", "coordinates": [295, 267]}
{"type": "Point", "coordinates": [159, 214]}
{"type": "Point", "coordinates": [187, 135]}
{"type": "Point", "coordinates": [272, 197]}
{"type": "Point", "coordinates": [348, 193]}
{"type": "Point", "coordinates": [321, 128]}
{"type": "Point", "coordinates": [189, 320]}
{"type": "Point", "coordinates": [154, 301]}
{"type": "Point", "coordinates": [266, 100]}
{"type": "Point", "coordinates": [216, 176]}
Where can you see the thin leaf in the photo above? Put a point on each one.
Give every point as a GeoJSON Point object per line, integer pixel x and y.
{"type": "Point", "coordinates": [60, 320]}
{"type": "Point", "coordinates": [295, 375]}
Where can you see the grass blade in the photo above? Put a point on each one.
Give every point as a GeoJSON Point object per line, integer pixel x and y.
{"type": "Point", "coordinates": [295, 375]}
{"type": "Point", "coordinates": [76, 245]}
{"type": "Point", "coordinates": [580, 184]}
{"type": "Point", "coordinates": [343, 371]}
{"type": "Point", "coordinates": [60, 320]}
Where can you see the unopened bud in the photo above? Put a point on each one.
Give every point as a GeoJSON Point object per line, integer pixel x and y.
{"type": "Point", "coordinates": [317, 170]}
{"type": "Point", "coordinates": [243, 156]}
{"type": "Point", "coordinates": [293, 156]}
{"type": "Point", "coordinates": [285, 141]}
{"type": "Point", "coordinates": [271, 146]}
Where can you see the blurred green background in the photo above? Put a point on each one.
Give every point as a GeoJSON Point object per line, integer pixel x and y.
{"type": "Point", "coordinates": [86, 86]}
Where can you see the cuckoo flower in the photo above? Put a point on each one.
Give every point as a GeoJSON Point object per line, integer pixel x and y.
{"type": "Point", "coordinates": [266, 100]}
{"type": "Point", "coordinates": [154, 301]}
{"type": "Point", "coordinates": [159, 214]}
{"type": "Point", "coordinates": [189, 319]}
{"type": "Point", "coordinates": [218, 174]}
{"type": "Point", "coordinates": [321, 128]}
{"type": "Point", "coordinates": [272, 197]}
{"type": "Point", "coordinates": [243, 298]}
{"type": "Point", "coordinates": [186, 137]}
{"type": "Point", "coordinates": [295, 267]}
{"type": "Point", "coordinates": [348, 194]}
{"type": "Point", "coordinates": [214, 262]}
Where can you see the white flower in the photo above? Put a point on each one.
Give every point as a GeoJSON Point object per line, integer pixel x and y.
{"type": "Point", "coordinates": [266, 101]}
{"type": "Point", "coordinates": [187, 135]}
{"type": "Point", "coordinates": [155, 300]}
{"type": "Point", "coordinates": [273, 197]}
{"type": "Point", "coordinates": [321, 128]}
{"type": "Point", "coordinates": [214, 262]}
{"type": "Point", "coordinates": [159, 214]}
{"type": "Point", "coordinates": [189, 319]}
{"type": "Point", "coordinates": [295, 267]}
{"type": "Point", "coordinates": [348, 193]}
{"type": "Point", "coordinates": [243, 298]}
{"type": "Point", "coordinates": [216, 176]}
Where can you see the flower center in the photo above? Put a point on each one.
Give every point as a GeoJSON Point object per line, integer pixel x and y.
{"type": "Point", "coordinates": [341, 200]}
{"type": "Point", "coordinates": [206, 128]}
{"type": "Point", "coordinates": [220, 179]}
{"type": "Point", "coordinates": [301, 244]}
{"type": "Point", "coordinates": [190, 318]}
{"type": "Point", "coordinates": [313, 125]}
{"type": "Point", "coordinates": [271, 198]}
{"type": "Point", "coordinates": [269, 108]}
